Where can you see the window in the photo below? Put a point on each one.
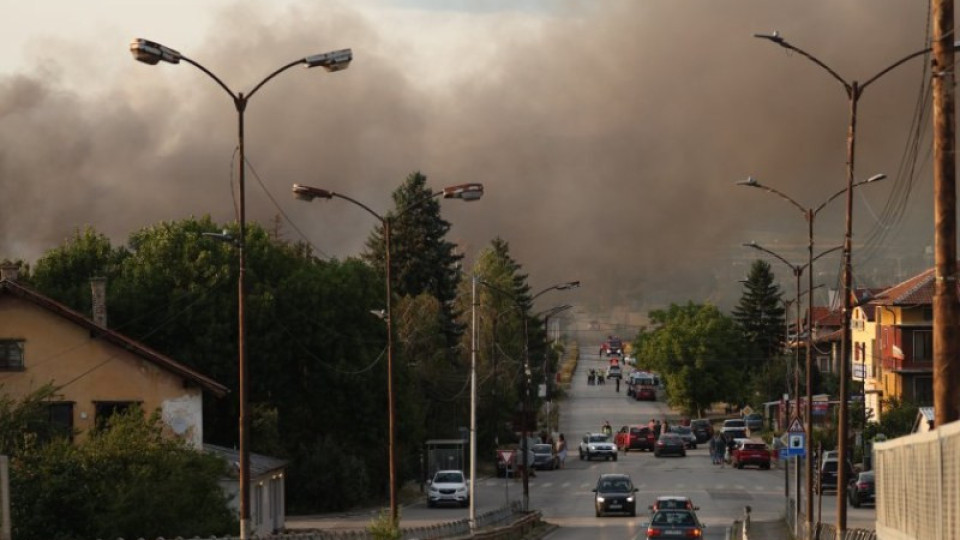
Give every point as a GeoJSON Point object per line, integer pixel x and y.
{"type": "Point", "coordinates": [258, 504]}
{"type": "Point", "coordinates": [923, 391]}
{"type": "Point", "coordinates": [60, 416]}
{"type": "Point", "coordinates": [106, 409]}
{"type": "Point", "coordinates": [11, 354]}
{"type": "Point", "coordinates": [923, 346]}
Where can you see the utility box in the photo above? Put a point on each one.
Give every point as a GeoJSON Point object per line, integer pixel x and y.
{"type": "Point", "coordinates": [446, 454]}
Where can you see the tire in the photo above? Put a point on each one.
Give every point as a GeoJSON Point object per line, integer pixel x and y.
{"type": "Point", "coordinates": [633, 513]}
{"type": "Point", "coordinates": [431, 504]}
{"type": "Point", "coordinates": [599, 513]}
{"type": "Point", "coordinates": [740, 465]}
{"type": "Point", "coordinates": [581, 456]}
{"type": "Point", "coordinates": [765, 466]}
{"type": "Point", "coordinates": [614, 458]}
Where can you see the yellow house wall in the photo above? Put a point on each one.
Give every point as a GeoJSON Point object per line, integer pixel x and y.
{"type": "Point", "coordinates": [91, 370]}
{"type": "Point", "coordinates": [865, 337]}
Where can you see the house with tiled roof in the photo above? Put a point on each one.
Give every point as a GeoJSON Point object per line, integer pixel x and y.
{"type": "Point", "coordinates": [864, 360]}
{"type": "Point", "coordinates": [904, 339]}
{"type": "Point", "coordinates": [96, 371]}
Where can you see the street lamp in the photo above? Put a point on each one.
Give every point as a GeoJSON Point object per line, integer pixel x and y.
{"type": "Point", "coordinates": [947, 265]}
{"type": "Point", "coordinates": [465, 192]}
{"type": "Point", "coordinates": [525, 432]}
{"type": "Point", "coordinates": [809, 215]}
{"type": "Point", "coordinates": [152, 53]}
{"type": "Point", "coordinates": [547, 378]}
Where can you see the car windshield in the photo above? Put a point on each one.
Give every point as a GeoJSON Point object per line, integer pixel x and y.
{"type": "Point", "coordinates": [449, 478]}
{"type": "Point", "coordinates": [615, 485]}
{"type": "Point", "coordinates": [664, 504]}
{"type": "Point", "coordinates": [700, 423]}
{"type": "Point", "coordinates": [669, 437]}
{"type": "Point", "coordinates": [754, 446]}
{"type": "Point", "coordinates": [866, 476]}
{"type": "Point", "coordinates": [542, 448]}
{"type": "Point", "coordinates": [734, 424]}
{"type": "Point", "coordinates": [598, 438]}
{"type": "Point", "coordinates": [673, 517]}
{"type": "Point", "coordinates": [830, 466]}
{"type": "Point", "coordinates": [682, 430]}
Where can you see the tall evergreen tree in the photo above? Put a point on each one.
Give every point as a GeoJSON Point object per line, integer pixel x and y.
{"type": "Point", "coordinates": [760, 313]}
{"type": "Point", "coordinates": [421, 259]}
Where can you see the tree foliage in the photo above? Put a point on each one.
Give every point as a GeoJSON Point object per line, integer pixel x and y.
{"type": "Point", "coordinates": [698, 351]}
{"type": "Point", "coordinates": [125, 481]}
{"type": "Point", "coordinates": [760, 313]}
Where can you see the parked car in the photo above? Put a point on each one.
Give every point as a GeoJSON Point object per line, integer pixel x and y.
{"type": "Point", "coordinates": [614, 372]}
{"type": "Point", "coordinates": [672, 502]}
{"type": "Point", "coordinates": [597, 445]}
{"type": "Point", "coordinates": [675, 524]}
{"type": "Point", "coordinates": [448, 487]}
{"type": "Point", "coordinates": [734, 424]}
{"type": "Point", "coordinates": [645, 392]}
{"type": "Point", "coordinates": [703, 429]}
{"type": "Point", "coordinates": [615, 493]}
{"type": "Point", "coordinates": [685, 433]}
{"type": "Point", "coordinates": [635, 438]}
{"type": "Point", "coordinates": [829, 472]}
{"type": "Point", "coordinates": [545, 457]}
{"type": "Point", "coordinates": [754, 422]}
{"type": "Point", "coordinates": [750, 452]}
{"type": "Point", "coordinates": [670, 443]}
{"type": "Point", "coordinates": [861, 490]}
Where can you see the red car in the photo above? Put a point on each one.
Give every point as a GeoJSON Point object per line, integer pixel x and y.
{"type": "Point", "coordinates": [635, 438]}
{"type": "Point", "coordinates": [613, 346]}
{"type": "Point", "coordinates": [645, 393]}
{"type": "Point", "coordinates": [751, 453]}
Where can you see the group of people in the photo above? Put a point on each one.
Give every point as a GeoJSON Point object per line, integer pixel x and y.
{"type": "Point", "coordinates": [719, 448]}
{"type": "Point", "coordinates": [657, 427]}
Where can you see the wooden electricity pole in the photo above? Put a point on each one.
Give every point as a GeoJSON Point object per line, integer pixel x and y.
{"type": "Point", "coordinates": [946, 365]}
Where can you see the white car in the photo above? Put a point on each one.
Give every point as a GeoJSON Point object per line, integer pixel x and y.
{"type": "Point", "coordinates": [448, 487]}
{"type": "Point", "coordinates": [597, 445]}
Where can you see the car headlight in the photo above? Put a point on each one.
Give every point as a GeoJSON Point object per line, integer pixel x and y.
{"type": "Point", "coordinates": [433, 489]}
{"type": "Point", "coordinates": [599, 499]}
{"type": "Point", "coordinates": [630, 499]}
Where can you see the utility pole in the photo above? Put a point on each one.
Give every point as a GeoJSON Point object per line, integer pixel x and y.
{"type": "Point", "coordinates": [946, 369]}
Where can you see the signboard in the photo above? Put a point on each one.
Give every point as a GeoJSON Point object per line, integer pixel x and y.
{"type": "Point", "coordinates": [505, 456]}
{"type": "Point", "coordinates": [795, 426]}
{"type": "Point", "coordinates": [820, 408]}
{"type": "Point", "coordinates": [859, 371]}
{"type": "Point", "coordinates": [795, 446]}
{"type": "Point", "coordinates": [746, 410]}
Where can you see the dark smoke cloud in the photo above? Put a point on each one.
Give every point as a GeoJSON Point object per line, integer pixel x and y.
{"type": "Point", "coordinates": [608, 135]}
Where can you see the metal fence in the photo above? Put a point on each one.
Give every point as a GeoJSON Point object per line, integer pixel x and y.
{"type": "Point", "coordinates": [823, 531]}
{"type": "Point", "coordinates": [918, 485]}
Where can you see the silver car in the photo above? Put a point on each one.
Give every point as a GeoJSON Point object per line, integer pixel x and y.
{"type": "Point", "coordinates": [597, 445]}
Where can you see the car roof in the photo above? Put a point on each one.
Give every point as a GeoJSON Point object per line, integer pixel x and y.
{"type": "Point", "coordinates": [673, 498]}
{"type": "Point", "coordinates": [615, 475]}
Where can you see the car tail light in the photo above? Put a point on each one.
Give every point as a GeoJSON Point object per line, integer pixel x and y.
{"type": "Point", "coordinates": [695, 533]}
{"type": "Point", "coordinates": [863, 485]}
{"type": "Point", "coordinates": [653, 532]}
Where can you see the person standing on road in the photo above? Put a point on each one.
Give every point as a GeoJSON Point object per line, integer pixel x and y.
{"type": "Point", "coordinates": [562, 450]}
{"type": "Point", "coordinates": [717, 449]}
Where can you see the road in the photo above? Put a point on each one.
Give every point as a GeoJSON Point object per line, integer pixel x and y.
{"type": "Point", "coordinates": [564, 496]}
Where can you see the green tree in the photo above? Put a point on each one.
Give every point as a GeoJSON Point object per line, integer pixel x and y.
{"type": "Point", "coordinates": [126, 480]}
{"type": "Point", "coordinates": [760, 313]}
{"type": "Point", "coordinates": [421, 259]}
{"type": "Point", "coordinates": [698, 351]}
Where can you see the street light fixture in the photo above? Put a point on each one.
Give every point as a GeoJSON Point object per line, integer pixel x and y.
{"type": "Point", "coordinates": [525, 432]}
{"type": "Point", "coordinates": [946, 259]}
{"type": "Point", "coordinates": [809, 214]}
{"type": "Point", "coordinates": [152, 53]}
{"type": "Point", "coordinates": [467, 192]}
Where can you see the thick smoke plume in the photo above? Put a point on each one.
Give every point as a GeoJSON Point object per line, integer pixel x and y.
{"type": "Point", "coordinates": [609, 135]}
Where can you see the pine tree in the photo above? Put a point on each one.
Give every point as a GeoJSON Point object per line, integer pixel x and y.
{"type": "Point", "coordinates": [760, 313]}
{"type": "Point", "coordinates": [421, 259]}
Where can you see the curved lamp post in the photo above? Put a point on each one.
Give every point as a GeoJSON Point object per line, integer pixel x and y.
{"type": "Point", "coordinates": [809, 215]}
{"type": "Point", "coordinates": [152, 53]}
{"type": "Point", "coordinates": [465, 192]}
{"type": "Point", "coordinates": [526, 383]}
{"type": "Point", "coordinates": [798, 272]}
{"type": "Point", "coordinates": [945, 218]}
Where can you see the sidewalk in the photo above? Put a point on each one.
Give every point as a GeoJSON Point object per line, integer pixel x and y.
{"type": "Point", "coordinates": [768, 530]}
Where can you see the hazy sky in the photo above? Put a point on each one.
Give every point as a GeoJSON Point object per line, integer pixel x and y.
{"type": "Point", "coordinates": [609, 134]}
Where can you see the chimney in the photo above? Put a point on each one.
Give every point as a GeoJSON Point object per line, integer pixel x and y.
{"type": "Point", "coordinates": [9, 271]}
{"type": "Point", "coordinates": [98, 292]}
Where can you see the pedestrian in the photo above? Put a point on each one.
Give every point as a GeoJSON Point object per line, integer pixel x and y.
{"type": "Point", "coordinates": [562, 450]}
{"type": "Point", "coordinates": [657, 428]}
{"type": "Point", "coordinates": [717, 448]}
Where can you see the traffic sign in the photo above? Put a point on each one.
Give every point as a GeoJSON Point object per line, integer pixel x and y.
{"type": "Point", "coordinates": [795, 446]}
{"type": "Point", "coordinates": [795, 426]}
{"type": "Point", "coordinates": [505, 456]}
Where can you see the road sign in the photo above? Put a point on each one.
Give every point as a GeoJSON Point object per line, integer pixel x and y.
{"type": "Point", "coordinates": [746, 410]}
{"type": "Point", "coordinates": [795, 426]}
{"type": "Point", "coordinates": [795, 446]}
{"type": "Point", "coordinates": [505, 456]}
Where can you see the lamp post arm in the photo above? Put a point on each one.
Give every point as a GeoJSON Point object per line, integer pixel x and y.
{"type": "Point", "coordinates": [212, 76]}
{"type": "Point", "coordinates": [821, 254]}
{"type": "Point", "coordinates": [870, 180]}
{"type": "Point", "coordinates": [369, 210]}
{"type": "Point", "coordinates": [272, 75]}
{"type": "Point", "coordinates": [892, 66]}
{"type": "Point", "coordinates": [753, 183]}
{"type": "Point", "coordinates": [797, 270]}
{"type": "Point", "coordinates": [775, 38]}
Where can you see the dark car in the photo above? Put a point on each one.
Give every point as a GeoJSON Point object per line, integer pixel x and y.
{"type": "Point", "coordinates": [672, 502]}
{"type": "Point", "coordinates": [754, 421]}
{"type": "Point", "coordinates": [686, 434]}
{"type": "Point", "coordinates": [635, 438]}
{"type": "Point", "coordinates": [615, 494]}
{"type": "Point", "coordinates": [861, 490]}
{"type": "Point", "coordinates": [675, 524]}
{"type": "Point", "coordinates": [670, 443]}
{"type": "Point", "coordinates": [829, 472]}
{"type": "Point", "coordinates": [703, 429]}
{"type": "Point", "coordinates": [545, 457]}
